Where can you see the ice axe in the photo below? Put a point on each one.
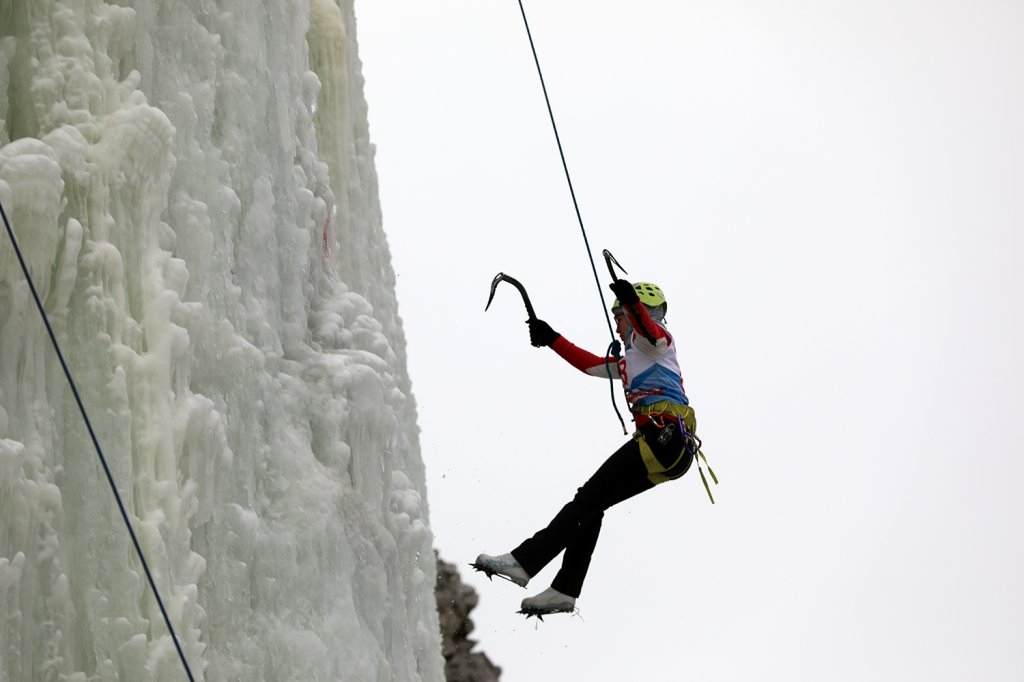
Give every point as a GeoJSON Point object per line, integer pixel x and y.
{"type": "Point", "coordinates": [502, 277]}
{"type": "Point", "coordinates": [609, 260]}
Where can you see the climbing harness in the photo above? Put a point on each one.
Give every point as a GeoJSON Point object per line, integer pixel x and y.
{"type": "Point", "coordinates": [667, 416]}
{"type": "Point", "coordinates": [96, 444]}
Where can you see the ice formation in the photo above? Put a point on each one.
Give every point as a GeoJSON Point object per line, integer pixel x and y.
{"type": "Point", "coordinates": [192, 185]}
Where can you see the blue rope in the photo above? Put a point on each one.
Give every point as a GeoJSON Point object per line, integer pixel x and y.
{"type": "Point", "coordinates": [96, 444]}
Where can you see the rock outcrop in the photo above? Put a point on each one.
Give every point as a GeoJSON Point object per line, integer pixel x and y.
{"type": "Point", "coordinates": [455, 600]}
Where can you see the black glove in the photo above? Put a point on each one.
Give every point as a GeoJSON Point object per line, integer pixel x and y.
{"type": "Point", "coordinates": [541, 333]}
{"type": "Point", "coordinates": [624, 291]}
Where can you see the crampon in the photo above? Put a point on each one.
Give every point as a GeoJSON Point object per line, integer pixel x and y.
{"type": "Point", "coordinates": [539, 613]}
{"type": "Point", "coordinates": [490, 573]}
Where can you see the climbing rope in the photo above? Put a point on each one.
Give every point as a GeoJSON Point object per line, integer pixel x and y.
{"type": "Point", "coordinates": [613, 348]}
{"type": "Point", "coordinates": [96, 443]}
{"type": "Point", "coordinates": [565, 167]}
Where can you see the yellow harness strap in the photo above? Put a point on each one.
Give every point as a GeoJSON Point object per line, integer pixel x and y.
{"type": "Point", "coordinates": [698, 457]}
{"type": "Point", "coordinates": [655, 471]}
{"type": "Point", "coordinates": [669, 407]}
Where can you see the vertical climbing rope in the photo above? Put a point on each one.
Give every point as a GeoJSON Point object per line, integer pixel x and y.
{"type": "Point", "coordinates": [96, 443]}
{"type": "Point", "coordinates": [565, 167]}
{"type": "Point", "coordinates": [614, 346]}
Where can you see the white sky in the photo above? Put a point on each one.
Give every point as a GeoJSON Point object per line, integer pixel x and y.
{"type": "Point", "coordinates": [832, 196]}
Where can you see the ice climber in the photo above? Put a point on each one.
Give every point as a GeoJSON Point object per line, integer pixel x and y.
{"type": "Point", "coordinates": [661, 449]}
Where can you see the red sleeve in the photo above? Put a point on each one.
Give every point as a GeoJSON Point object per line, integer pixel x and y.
{"type": "Point", "coordinates": [583, 360]}
{"type": "Point", "coordinates": [644, 325]}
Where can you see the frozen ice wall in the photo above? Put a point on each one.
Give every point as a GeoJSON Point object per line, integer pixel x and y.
{"type": "Point", "coordinates": [192, 184]}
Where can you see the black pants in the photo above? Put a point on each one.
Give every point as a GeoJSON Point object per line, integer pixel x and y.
{"type": "Point", "coordinates": [575, 528]}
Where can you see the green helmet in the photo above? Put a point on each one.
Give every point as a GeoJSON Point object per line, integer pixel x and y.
{"type": "Point", "coordinates": [650, 295]}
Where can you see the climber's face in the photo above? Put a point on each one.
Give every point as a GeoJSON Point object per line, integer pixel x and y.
{"type": "Point", "coordinates": [622, 326]}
